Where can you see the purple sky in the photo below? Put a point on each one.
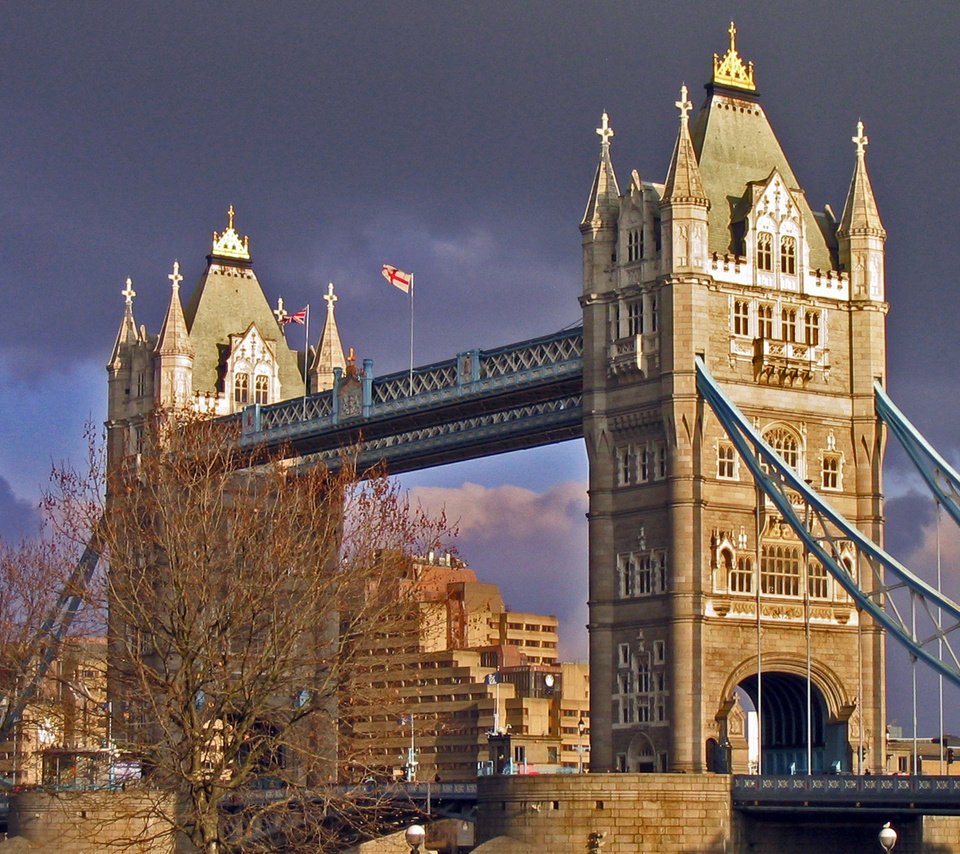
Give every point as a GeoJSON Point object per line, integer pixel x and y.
{"type": "Point", "coordinates": [455, 140]}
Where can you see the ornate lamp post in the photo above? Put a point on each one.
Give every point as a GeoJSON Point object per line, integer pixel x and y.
{"type": "Point", "coordinates": [887, 837]}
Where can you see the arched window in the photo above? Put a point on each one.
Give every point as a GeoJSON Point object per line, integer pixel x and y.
{"type": "Point", "coordinates": [241, 388]}
{"type": "Point", "coordinates": [788, 256]}
{"type": "Point", "coordinates": [765, 321]}
{"type": "Point", "coordinates": [765, 252]}
{"type": "Point", "coordinates": [788, 324]}
{"type": "Point", "coordinates": [817, 580]}
{"type": "Point", "coordinates": [260, 389]}
{"type": "Point", "coordinates": [785, 444]}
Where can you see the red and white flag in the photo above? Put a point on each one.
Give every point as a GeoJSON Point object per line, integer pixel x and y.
{"type": "Point", "coordinates": [398, 278]}
{"type": "Point", "coordinates": [297, 317]}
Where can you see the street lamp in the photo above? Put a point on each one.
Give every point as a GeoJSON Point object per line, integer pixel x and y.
{"type": "Point", "coordinates": [415, 835]}
{"type": "Point", "coordinates": [581, 728]}
{"type": "Point", "coordinates": [887, 837]}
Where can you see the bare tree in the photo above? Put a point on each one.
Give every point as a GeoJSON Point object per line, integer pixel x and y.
{"type": "Point", "coordinates": [239, 596]}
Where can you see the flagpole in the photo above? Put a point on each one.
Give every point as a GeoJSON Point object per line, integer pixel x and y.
{"type": "Point", "coordinates": [411, 335]}
{"type": "Point", "coordinates": [306, 360]}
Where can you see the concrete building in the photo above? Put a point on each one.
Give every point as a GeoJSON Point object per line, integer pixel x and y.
{"type": "Point", "coordinates": [727, 259]}
{"type": "Point", "coordinates": [465, 686]}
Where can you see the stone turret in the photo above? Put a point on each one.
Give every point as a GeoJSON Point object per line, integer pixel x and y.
{"type": "Point", "coordinates": [173, 363]}
{"type": "Point", "coordinates": [861, 234]}
{"type": "Point", "coordinates": [599, 223]}
{"type": "Point", "coordinates": [329, 353]}
{"type": "Point", "coordinates": [685, 204]}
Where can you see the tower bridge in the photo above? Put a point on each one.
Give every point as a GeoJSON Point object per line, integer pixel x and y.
{"type": "Point", "coordinates": [728, 384]}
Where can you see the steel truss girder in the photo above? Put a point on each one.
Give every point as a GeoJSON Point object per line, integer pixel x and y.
{"type": "Point", "coordinates": [836, 532]}
{"type": "Point", "coordinates": [940, 477]}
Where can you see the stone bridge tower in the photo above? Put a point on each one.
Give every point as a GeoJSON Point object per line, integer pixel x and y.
{"type": "Point", "coordinates": [727, 259]}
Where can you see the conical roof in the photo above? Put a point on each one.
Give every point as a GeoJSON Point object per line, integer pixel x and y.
{"type": "Point", "coordinates": [329, 354]}
{"type": "Point", "coordinates": [860, 214]}
{"type": "Point", "coordinates": [684, 183]}
{"type": "Point", "coordinates": [603, 204]}
{"type": "Point", "coordinates": [127, 334]}
{"type": "Point", "coordinates": [174, 340]}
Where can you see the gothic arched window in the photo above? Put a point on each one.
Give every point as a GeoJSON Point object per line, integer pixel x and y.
{"type": "Point", "coordinates": [780, 570]}
{"type": "Point", "coordinates": [261, 389]}
{"type": "Point", "coordinates": [788, 256]}
{"type": "Point", "coordinates": [241, 388]}
{"type": "Point", "coordinates": [765, 251]}
{"type": "Point", "coordinates": [785, 444]}
{"type": "Point", "coordinates": [740, 576]}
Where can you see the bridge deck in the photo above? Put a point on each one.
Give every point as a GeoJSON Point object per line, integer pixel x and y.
{"type": "Point", "coordinates": [928, 795]}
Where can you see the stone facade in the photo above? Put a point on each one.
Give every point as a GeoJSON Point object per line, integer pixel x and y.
{"type": "Point", "coordinates": [727, 260]}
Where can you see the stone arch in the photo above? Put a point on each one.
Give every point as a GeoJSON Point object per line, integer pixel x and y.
{"type": "Point", "coordinates": [641, 754]}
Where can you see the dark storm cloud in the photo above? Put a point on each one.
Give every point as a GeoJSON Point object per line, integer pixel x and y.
{"type": "Point", "coordinates": [907, 516]}
{"type": "Point", "coordinates": [18, 518]}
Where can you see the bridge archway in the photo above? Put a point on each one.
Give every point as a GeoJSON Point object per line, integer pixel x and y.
{"type": "Point", "coordinates": [641, 755]}
{"type": "Point", "coordinates": [783, 741]}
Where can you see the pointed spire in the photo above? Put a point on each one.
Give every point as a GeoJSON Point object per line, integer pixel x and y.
{"type": "Point", "coordinates": [684, 183]}
{"type": "Point", "coordinates": [127, 334]}
{"type": "Point", "coordinates": [329, 353]}
{"type": "Point", "coordinates": [174, 338]}
{"type": "Point", "coordinates": [603, 206]}
{"type": "Point", "coordinates": [860, 214]}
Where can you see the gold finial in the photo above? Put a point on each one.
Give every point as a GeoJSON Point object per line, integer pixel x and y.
{"type": "Point", "coordinates": [730, 70]}
{"type": "Point", "coordinates": [605, 132]}
{"type": "Point", "coordinates": [683, 104]}
{"type": "Point", "coordinates": [128, 292]}
{"type": "Point", "coordinates": [175, 277]}
{"type": "Point", "coordinates": [860, 140]}
{"type": "Point", "coordinates": [229, 244]}
{"type": "Point", "coordinates": [280, 311]}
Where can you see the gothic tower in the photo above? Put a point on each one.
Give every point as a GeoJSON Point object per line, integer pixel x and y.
{"type": "Point", "coordinates": [727, 260]}
{"type": "Point", "coordinates": [221, 352]}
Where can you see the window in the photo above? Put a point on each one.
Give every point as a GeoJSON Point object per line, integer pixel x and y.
{"type": "Point", "coordinates": [260, 389]}
{"type": "Point", "coordinates": [623, 655]}
{"type": "Point", "coordinates": [627, 575]}
{"type": "Point", "coordinates": [634, 244]}
{"type": "Point", "coordinates": [741, 317]}
{"type": "Point", "coordinates": [653, 313]}
{"type": "Point", "coordinates": [626, 462]}
{"type": "Point", "coordinates": [765, 321]}
{"type": "Point", "coordinates": [780, 570]}
{"type": "Point", "coordinates": [659, 652]}
{"type": "Point", "coordinates": [788, 324]}
{"type": "Point", "coordinates": [660, 453]}
{"type": "Point", "coordinates": [788, 256]}
{"type": "Point", "coordinates": [140, 384]}
{"type": "Point", "coordinates": [740, 579]}
{"type": "Point", "coordinates": [785, 444]}
{"type": "Point", "coordinates": [626, 710]}
{"type": "Point", "coordinates": [644, 576]}
{"type": "Point", "coordinates": [635, 317]}
{"type": "Point", "coordinates": [817, 580]}
{"type": "Point", "coordinates": [765, 252]}
{"type": "Point", "coordinates": [831, 471]}
{"type": "Point", "coordinates": [644, 468]}
{"type": "Point", "coordinates": [811, 328]}
{"type": "Point", "coordinates": [726, 461]}
{"type": "Point", "coordinates": [241, 388]}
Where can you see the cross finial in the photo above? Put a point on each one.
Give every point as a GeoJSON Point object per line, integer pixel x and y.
{"type": "Point", "coordinates": [330, 297]}
{"type": "Point", "coordinates": [128, 292]}
{"type": "Point", "coordinates": [230, 217]}
{"type": "Point", "coordinates": [683, 104]}
{"type": "Point", "coordinates": [860, 140]}
{"type": "Point", "coordinates": [175, 277]}
{"type": "Point", "coordinates": [732, 29]}
{"type": "Point", "coordinates": [605, 131]}
{"type": "Point", "coordinates": [280, 311]}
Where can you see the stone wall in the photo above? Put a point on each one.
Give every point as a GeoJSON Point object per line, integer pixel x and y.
{"type": "Point", "coordinates": [679, 814]}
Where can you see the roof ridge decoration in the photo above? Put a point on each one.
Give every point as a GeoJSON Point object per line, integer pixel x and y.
{"type": "Point", "coordinates": [228, 244]}
{"type": "Point", "coordinates": [731, 70]}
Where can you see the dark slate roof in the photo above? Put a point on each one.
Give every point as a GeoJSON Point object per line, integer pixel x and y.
{"type": "Point", "coordinates": [225, 302]}
{"type": "Point", "coordinates": [735, 145]}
